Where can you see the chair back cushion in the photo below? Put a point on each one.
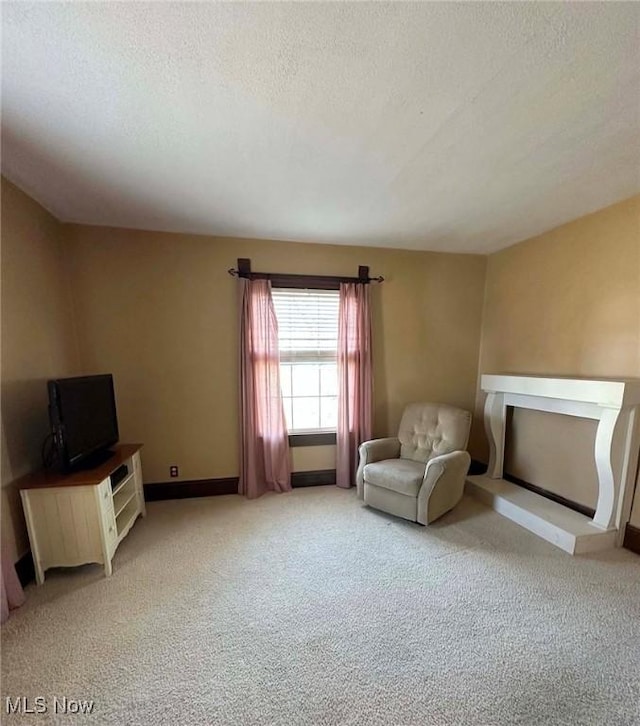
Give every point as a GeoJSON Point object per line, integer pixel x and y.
{"type": "Point", "coordinates": [432, 429]}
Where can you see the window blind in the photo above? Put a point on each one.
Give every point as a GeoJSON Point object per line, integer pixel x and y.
{"type": "Point", "coordinates": [307, 324]}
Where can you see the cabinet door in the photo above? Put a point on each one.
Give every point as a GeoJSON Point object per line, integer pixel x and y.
{"type": "Point", "coordinates": [66, 526]}
{"type": "Point", "coordinates": [137, 469]}
{"type": "Point", "coordinates": [105, 503]}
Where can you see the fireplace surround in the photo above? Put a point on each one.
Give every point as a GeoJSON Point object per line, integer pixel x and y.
{"type": "Point", "coordinates": [615, 404]}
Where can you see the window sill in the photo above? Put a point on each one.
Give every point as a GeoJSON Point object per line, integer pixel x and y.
{"type": "Point", "coordinates": [319, 438]}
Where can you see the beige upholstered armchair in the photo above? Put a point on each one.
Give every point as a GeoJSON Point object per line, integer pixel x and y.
{"type": "Point", "coordinates": [420, 474]}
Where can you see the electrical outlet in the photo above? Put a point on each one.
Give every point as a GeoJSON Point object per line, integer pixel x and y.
{"type": "Point", "coordinates": [173, 470]}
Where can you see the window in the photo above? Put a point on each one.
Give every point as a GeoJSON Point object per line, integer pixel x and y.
{"type": "Point", "coordinates": [308, 340]}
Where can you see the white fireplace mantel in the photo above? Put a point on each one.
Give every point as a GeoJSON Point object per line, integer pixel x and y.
{"type": "Point", "coordinates": [612, 403]}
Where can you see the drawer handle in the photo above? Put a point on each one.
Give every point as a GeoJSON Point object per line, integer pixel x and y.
{"type": "Point", "coordinates": [106, 495]}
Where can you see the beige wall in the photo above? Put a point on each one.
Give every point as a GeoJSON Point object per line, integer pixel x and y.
{"type": "Point", "coordinates": [38, 342]}
{"type": "Point", "coordinates": [566, 302]}
{"type": "Point", "coordinates": [159, 312]}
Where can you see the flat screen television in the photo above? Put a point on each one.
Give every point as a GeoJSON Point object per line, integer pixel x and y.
{"type": "Point", "coordinates": [84, 422]}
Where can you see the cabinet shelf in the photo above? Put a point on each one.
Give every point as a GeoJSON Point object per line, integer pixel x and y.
{"type": "Point", "coordinates": [122, 506]}
{"type": "Point", "coordinates": [123, 494]}
{"type": "Point", "coordinates": [121, 485]}
{"type": "Point", "coordinates": [126, 517]}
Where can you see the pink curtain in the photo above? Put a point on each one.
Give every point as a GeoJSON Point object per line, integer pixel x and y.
{"type": "Point", "coordinates": [355, 379]}
{"type": "Point", "coordinates": [11, 593]}
{"type": "Point", "coordinates": [264, 455]}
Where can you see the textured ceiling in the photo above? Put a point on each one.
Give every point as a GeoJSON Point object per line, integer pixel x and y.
{"type": "Point", "coordinates": [443, 126]}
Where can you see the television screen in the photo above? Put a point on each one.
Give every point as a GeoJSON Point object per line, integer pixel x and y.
{"type": "Point", "coordinates": [83, 417]}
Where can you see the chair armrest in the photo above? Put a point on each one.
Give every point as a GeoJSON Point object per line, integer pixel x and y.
{"type": "Point", "coordinates": [443, 485]}
{"type": "Point", "coordinates": [374, 450]}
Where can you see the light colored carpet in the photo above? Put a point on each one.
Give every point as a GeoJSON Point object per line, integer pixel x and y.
{"type": "Point", "coordinates": [309, 608]}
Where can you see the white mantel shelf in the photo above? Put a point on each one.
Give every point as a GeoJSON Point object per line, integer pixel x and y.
{"type": "Point", "coordinates": [614, 404]}
{"type": "Point", "coordinates": [601, 391]}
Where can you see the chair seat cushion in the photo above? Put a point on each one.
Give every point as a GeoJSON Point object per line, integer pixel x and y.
{"type": "Point", "coordinates": [400, 475]}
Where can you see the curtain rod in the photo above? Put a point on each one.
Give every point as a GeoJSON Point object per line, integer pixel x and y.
{"type": "Point", "coordinates": [281, 278]}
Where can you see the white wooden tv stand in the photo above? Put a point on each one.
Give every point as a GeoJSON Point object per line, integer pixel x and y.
{"type": "Point", "coordinates": [75, 519]}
